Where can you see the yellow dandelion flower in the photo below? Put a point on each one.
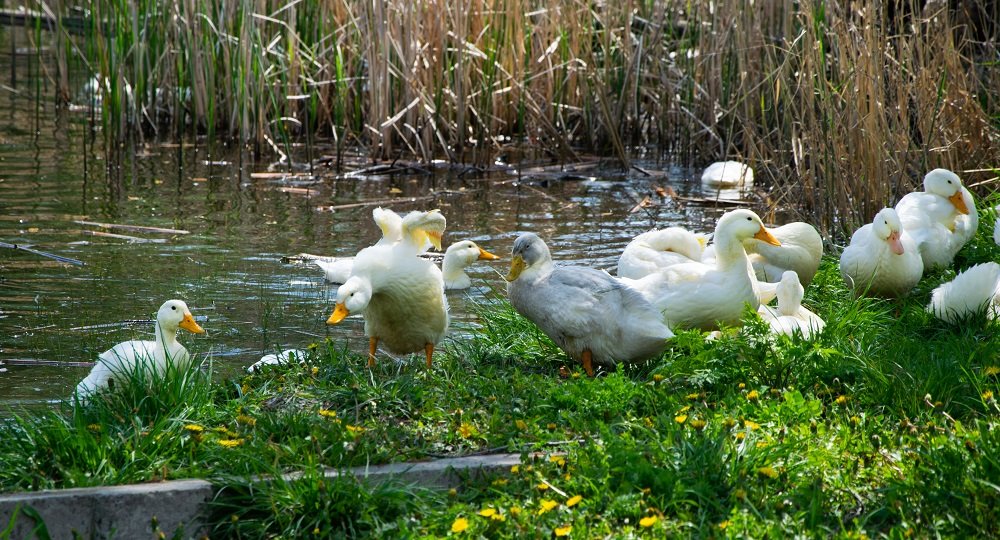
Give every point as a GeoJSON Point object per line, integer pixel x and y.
{"type": "Point", "coordinates": [515, 511]}
{"type": "Point", "coordinates": [355, 429]}
{"type": "Point", "coordinates": [692, 396]}
{"type": "Point", "coordinates": [245, 389]}
{"type": "Point", "coordinates": [563, 531]}
{"type": "Point", "coordinates": [315, 370]}
{"type": "Point", "coordinates": [466, 430]}
{"type": "Point", "coordinates": [855, 420]}
{"type": "Point", "coordinates": [488, 512]}
{"type": "Point", "coordinates": [752, 426]}
{"type": "Point", "coordinates": [521, 425]}
{"type": "Point", "coordinates": [741, 386]}
{"type": "Point", "coordinates": [685, 409]}
{"type": "Point", "coordinates": [991, 370]}
{"type": "Point", "coordinates": [752, 395]}
{"type": "Point", "coordinates": [558, 460]}
{"type": "Point", "coordinates": [648, 421]}
{"type": "Point", "coordinates": [194, 428]}
{"type": "Point", "coordinates": [246, 420]}
{"type": "Point", "coordinates": [574, 500]}
{"type": "Point", "coordinates": [988, 395]}
{"type": "Point", "coordinates": [566, 477]}
{"type": "Point", "coordinates": [316, 530]}
{"type": "Point", "coordinates": [542, 487]}
{"type": "Point", "coordinates": [546, 505]}
{"type": "Point", "coordinates": [740, 436]}
{"type": "Point", "coordinates": [96, 428]}
{"type": "Point", "coordinates": [724, 524]}
{"type": "Point", "coordinates": [648, 521]}
{"type": "Point", "coordinates": [460, 525]}
{"type": "Point", "coordinates": [498, 517]}
{"type": "Point", "coordinates": [328, 413]}
{"type": "Point", "coordinates": [763, 444]}
{"type": "Point", "coordinates": [841, 400]}
{"type": "Point", "coordinates": [697, 424]}
{"type": "Point", "coordinates": [681, 418]}
{"type": "Point", "coordinates": [230, 443]}
{"type": "Point", "coordinates": [515, 469]}
{"type": "Point", "coordinates": [740, 494]}
{"type": "Point", "coordinates": [500, 482]}
{"type": "Point", "coordinates": [551, 426]}
{"type": "Point", "coordinates": [453, 492]}
{"type": "Point", "coordinates": [769, 472]}
{"type": "Point", "coordinates": [658, 378]}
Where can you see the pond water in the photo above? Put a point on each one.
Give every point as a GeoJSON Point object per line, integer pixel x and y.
{"type": "Point", "coordinates": [243, 218]}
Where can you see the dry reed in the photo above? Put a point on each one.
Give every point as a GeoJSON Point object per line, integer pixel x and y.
{"type": "Point", "coordinates": [842, 106]}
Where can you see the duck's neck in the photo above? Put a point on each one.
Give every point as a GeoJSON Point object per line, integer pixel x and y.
{"type": "Point", "coordinates": [166, 339]}
{"type": "Point", "coordinates": [452, 268]}
{"type": "Point", "coordinates": [729, 252]}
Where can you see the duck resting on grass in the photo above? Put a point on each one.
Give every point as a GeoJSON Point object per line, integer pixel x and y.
{"type": "Point", "coordinates": [941, 219]}
{"type": "Point", "coordinates": [701, 295]}
{"type": "Point", "coordinates": [791, 316]}
{"type": "Point", "coordinates": [660, 248]}
{"type": "Point", "coordinates": [400, 294]}
{"type": "Point", "coordinates": [153, 358]}
{"type": "Point", "coordinates": [593, 317]}
{"type": "Point", "coordinates": [882, 259]}
{"type": "Point", "coordinates": [971, 293]}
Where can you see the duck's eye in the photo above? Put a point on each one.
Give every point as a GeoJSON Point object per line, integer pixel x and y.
{"type": "Point", "coordinates": [749, 218]}
{"type": "Point", "coordinates": [173, 308]}
{"type": "Point", "coordinates": [886, 222]}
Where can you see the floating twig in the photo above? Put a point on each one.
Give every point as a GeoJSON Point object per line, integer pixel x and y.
{"type": "Point", "coordinates": [131, 227]}
{"type": "Point", "coordinates": [53, 256]}
{"type": "Point", "coordinates": [134, 239]}
{"type": "Point", "coordinates": [40, 362]}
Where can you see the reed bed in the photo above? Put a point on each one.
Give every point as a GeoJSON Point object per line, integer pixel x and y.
{"type": "Point", "coordinates": [841, 106]}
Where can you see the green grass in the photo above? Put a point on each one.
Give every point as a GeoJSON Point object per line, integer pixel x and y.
{"type": "Point", "coordinates": [885, 425]}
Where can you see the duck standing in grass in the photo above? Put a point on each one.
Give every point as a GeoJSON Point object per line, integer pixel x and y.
{"type": "Point", "coordinates": [153, 358]}
{"type": "Point", "coordinates": [400, 294]}
{"type": "Point", "coordinates": [971, 293]}
{"type": "Point", "coordinates": [593, 317]}
{"type": "Point", "coordinates": [703, 295]}
{"type": "Point", "coordinates": [940, 219]}
{"type": "Point", "coordinates": [881, 259]}
{"type": "Point", "coordinates": [660, 248]}
{"type": "Point", "coordinates": [791, 316]}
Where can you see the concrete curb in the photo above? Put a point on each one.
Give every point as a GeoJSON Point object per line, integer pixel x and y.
{"type": "Point", "coordinates": [176, 506]}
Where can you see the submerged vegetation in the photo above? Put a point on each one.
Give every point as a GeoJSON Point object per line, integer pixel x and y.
{"type": "Point", "coordinates": [887, 424]}
{"type": "Point", "coordinates": [840, 107]}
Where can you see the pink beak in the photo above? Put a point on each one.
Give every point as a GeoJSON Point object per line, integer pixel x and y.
{"type": "Point", "coordinates": [894, 244]}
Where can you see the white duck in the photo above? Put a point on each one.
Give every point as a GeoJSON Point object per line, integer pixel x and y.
{"type": "Point", "coordinates": [660, 248]}
{"type": "Point", "coordinates": [801, 250]}
{"type": "Point", "coordinates": [457, 258]}
{"type": "Point", "coordinates": [700, 295]}
{"type": "Point", "coordinates": [881, 259]}
{"type": "Point", "coordinates": [400, 295]}
{"type": "Point", "coordinates": [940, 219]}
{"type": "Point", "coordinates": [338, 269]}
{"type": "Point", "coordinates": [593, 317]}
{"type": "Point", "coordinates": [727, 174]}
{"type": "Point", "coordinates": [970, 293]}
{"type": "Point", "coordinates": [154, 358]}
{"type": "Point", "coordinates": [278, 359]}
{"type": "Point", "coordinates": [791, 316]}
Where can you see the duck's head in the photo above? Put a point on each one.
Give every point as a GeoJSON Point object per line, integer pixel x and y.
{"type": "Point", "coordinates": [467, 252]}
{"type": "Point", "coordinates": [790, 292]}
{"type": "Point", "coordinates": [422, 227]}
{"type": "Point", "coordinates": [887, 227]}
{"type": "Point", "coordinates": [529, 253]}
{"type": "Point", "coordinates": [948, 185]}
{"type": "Point", "coordinates": [174, 314]}
{"type": "Point", "coordinates": [352, 296]}
{"type": "Point", "coordinates": [742, 225]}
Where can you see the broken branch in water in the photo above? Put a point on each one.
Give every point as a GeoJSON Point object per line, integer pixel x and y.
{"type": "Point", "coordinates": [131, 227]}
{"type": "Point", "coordinates": [59, 258]}
{"type": "Point", "coordinates": [135, 239]}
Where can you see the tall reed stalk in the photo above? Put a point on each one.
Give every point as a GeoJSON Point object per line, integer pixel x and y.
{"type": "Point", "coordinates": [841, 106]}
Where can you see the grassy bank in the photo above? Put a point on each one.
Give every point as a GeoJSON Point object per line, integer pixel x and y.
{"type": "Point", "coordinates": [841, 108]}
{"type": "Point", "coordinates": [887, 424]}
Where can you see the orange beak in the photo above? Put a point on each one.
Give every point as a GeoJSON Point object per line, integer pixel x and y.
{"type": "Point", "coordinates": [188, 324]}
{"type": "Point", "coordinates": [486, 255]}
{"type": "Point", "coordinates": [339, 312]}
{"type": "Point", "coordinates": [959, 202]}
{"type": "Point", "coordinates": [765, 235]}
